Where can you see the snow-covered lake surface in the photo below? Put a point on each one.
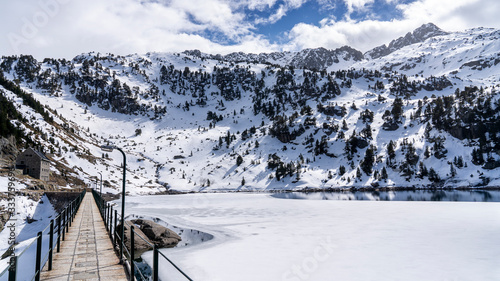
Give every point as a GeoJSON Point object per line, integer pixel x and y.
{"type": "Point", "coordinates": [259, 237]}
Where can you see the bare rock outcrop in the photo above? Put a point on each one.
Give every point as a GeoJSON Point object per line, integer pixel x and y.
{"type": "Point", "coordinates": [161, 236]}
{"type": "Point", "coordinates": [146, 234]}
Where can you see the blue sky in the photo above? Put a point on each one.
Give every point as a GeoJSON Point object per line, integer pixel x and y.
{"type": "Point", "coordinates": [66, 28]}
{"type": "Point", "coordinates": [314, 12]}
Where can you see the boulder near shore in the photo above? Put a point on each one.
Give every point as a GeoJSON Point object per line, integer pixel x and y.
{"type": "Point", "coordinates": [151, 233]}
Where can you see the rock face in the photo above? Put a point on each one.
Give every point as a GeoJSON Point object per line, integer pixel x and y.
{"type": "Point", "coordinates": [8, 151]}
{"type": "Point", "coordinates": [151, 233]}
{"type": "Point", "coordinates": [321, 58]}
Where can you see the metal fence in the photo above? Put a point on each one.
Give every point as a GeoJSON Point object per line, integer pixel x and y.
{"type": "Point", "coordinates": [111, 219]}
{"type": "Point", "coordinates": [45, 242]}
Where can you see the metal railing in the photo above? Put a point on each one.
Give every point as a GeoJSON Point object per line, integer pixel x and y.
{"type": "Point", "coordinates": [111, 219]}
{"type": "Point", "coordinates": [54, 232]}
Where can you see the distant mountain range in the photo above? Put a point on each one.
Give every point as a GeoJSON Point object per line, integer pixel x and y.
{"type": "Point", "coordinates": [321, 58]}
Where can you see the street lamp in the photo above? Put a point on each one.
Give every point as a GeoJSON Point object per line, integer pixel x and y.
{"type": "Point", "coordinates": [109, 148]}
{"type": "Point", "coordinates": [100, 192]}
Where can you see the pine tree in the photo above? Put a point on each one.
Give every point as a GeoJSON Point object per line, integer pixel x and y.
{"type": "Point", "coordinates": [391, 152]}
{"type": "Point", "coordinates": [239, 160]}
{"type": "Point", "coordinates": [341, 170]}
{"type": "Point", "coordinates": [397, 109]}
{"type": "Point", "coordinates": [367, 163]}
{"type": "Point", "coordinates": [366, 132]}
{"type": "Point", "coordinates": [344, 125]}
{"type": "Point", "coordinates": [423, 172]}
{"type": "Point", "coordinates": [384, 175]}
{"type": "Point", "coordinates": [477, 156]}
{"type": "Point", "coordinates": [433, 175]}
{"type": "Point", "coordinates": [453, 171]}
{"type": "Point", "coordinates": [427, 153]}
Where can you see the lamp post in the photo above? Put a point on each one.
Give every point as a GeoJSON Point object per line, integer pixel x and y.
{"type": "Point", "coordinates": [109, 148]}
{"type": "Point", "coordinates": [100, 191]}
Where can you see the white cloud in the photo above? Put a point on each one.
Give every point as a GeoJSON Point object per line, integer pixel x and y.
{"type": "Point", "coordinates": [119, 26]}
{"type": "Point", "coordinates": [353, 5]}
{"type": "Point", "coordinates": [327, 4]}
{"type": "Point", "coordinates": [281, 11]}
{"type": "Point", "coordinates": [454, 14]}
{"type": "Point", "coordinates": [451, 15]}
{"type": "Point", "coordinates": [361, 35]}
{"type": "Point", "coordinates": [259, 5]}
{"type": "Point", "coordinates": [65, 28]}
{"type": "Point", "coordinates": [215, 14]}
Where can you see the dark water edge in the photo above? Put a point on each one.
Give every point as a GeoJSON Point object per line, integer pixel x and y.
{"type": "Point", "coordinates": [452, 195]}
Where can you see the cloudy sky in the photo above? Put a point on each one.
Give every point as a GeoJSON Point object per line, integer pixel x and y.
{"type": "Point", "coordinates": [66, 28]}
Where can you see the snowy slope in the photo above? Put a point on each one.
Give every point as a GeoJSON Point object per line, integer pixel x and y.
{"type": "Point", "coordinates": [197, 122]}
{"type": "Point", "coordinates": [471, 56]}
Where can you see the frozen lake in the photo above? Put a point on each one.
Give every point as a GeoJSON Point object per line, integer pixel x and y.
{"type": "Point", "coordinates": [415, 195]}
{"type": "Point", "coordinates": [260, 237]}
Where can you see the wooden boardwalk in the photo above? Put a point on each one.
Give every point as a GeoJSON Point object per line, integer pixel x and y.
{"type": "Point", "coordinates": [87, 252]}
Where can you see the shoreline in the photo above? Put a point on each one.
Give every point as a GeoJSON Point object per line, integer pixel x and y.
{"type": "Point", "coordinates": [111, 197]}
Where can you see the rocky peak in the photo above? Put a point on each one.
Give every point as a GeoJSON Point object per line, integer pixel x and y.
{"type": "Point", "coordinates": [426, 31]}
{"type": "Point", "coordinates": [420, 34]}
{"type": "Point", "coordinates": [321, 58]}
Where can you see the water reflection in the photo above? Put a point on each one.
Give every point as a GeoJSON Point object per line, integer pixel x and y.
{"type": "Point", "coordinates": [416, 195]}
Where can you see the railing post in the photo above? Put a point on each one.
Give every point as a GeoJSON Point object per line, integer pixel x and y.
{"type": "Point", "coordinates": [102, 207]}
{"type": "Point", "coordinates": [73, 210]}
{"type": "Point", "coordinates": [103, 213]}
{"type": "Point", "coordinates": [51, 243]}
{"type": "Point", "coordinates": [108, 226]}
{"type": "Point", "coordinates": [106, 217]}
{"type": "Point", "coordinates": [13, 268]}
{"type": "Point", "coordinates": [66, 220]}
{"type": "Point", "coordinates": [109, 222]}
{"type": "Point", "coordinates": [155, 263]}
{"type": "Point", "coordinates": [38, 256]}
{"type": "Point", "coordinates": [58, 232]}
{"type": "Point", "coordinates": [63, 224]}
{"type": "Point", "coordinates": [70, 214]}
{"type": "Point", "coordinates": [132, 245]}
{"type": "Point", "coordinates": [114, 228]}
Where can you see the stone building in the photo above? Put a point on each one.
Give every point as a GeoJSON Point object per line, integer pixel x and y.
{"type": "Point", "coordinates": [34, 163]}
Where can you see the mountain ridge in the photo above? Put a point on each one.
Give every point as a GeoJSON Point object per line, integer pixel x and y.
{"type": "Point", "coordinates": [321, 58]}
{"type": "Point", "coordinates": [419, 35]}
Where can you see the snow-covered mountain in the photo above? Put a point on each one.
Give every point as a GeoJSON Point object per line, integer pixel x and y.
{"type": "Point", "coordinates": [420, 34]}
{"type": "Point", "coordinates": [421, 112]}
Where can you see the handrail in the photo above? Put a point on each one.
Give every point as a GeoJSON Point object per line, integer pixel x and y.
{"type": "Point", "coordinates": [63, 221]}
{"type": "Point", "coordinates": [110, 220]}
